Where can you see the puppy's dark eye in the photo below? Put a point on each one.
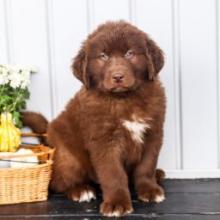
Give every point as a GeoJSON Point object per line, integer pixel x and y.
{"type": "Point", "coordinates": [104, 56]}
{"type": "Point", "coordinates": [129, 54]}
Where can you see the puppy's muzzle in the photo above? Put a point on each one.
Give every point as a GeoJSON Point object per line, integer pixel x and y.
{"type": "Point", "coordinates": [118, 78]}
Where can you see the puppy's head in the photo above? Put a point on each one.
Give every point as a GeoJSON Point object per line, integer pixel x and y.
{"type": "Point", "coordinates": [117, 57]}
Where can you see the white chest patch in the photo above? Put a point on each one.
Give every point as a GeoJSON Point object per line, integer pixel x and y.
{"type": "Point", "coordinates": [137, 129]}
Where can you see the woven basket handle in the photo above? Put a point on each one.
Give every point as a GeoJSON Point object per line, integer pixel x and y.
{"type": "Point", "coordinates": [47, 151]}
{"type": "Point", "coordinates": [33, 135]}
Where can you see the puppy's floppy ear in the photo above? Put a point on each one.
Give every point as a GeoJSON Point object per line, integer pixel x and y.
{"type": "Point", "coordinates": [79, 66]}
{"type": "Point", "coordinates": [155, 58]}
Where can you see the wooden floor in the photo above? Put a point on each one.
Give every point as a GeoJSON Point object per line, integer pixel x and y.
{"type": "Point", "coordinates": [185, 199]}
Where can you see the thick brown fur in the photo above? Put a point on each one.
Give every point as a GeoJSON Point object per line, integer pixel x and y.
{"type": "Point", "coordinates": [37, 122]}
{"type": "Point", "coordinates": [111, 132]}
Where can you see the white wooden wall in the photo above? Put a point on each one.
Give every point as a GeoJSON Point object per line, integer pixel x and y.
{"type": "Point", "coordinates": [48, 33]}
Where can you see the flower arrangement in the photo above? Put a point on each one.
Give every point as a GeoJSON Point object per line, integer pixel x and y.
{"type": "Point", "coordinates": [14, 92]}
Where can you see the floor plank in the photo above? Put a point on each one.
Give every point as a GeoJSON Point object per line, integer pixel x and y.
{"type": "Point", "coordinates": [133, 217]}
{"type": "Point", "coordinates": [185, 199]}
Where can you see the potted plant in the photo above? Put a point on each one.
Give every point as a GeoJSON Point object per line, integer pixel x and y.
{"type": "Point", "coordinates": [14, 92]}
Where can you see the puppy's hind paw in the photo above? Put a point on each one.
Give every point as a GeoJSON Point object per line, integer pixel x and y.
{"type": "Point", "coordinates": [151, 193]}
{"type": "Point", "coordinates": [86, 196]}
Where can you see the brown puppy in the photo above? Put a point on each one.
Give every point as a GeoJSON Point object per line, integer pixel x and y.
{"type": "Point", "coordinates": [112, 130]}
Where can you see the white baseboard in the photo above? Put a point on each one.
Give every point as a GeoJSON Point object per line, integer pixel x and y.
{"type": "Point", "coordinates": [192, 174]}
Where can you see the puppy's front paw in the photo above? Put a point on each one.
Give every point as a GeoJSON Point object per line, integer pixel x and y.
{"type": "Point", "coordinates": [115, 209]}
{"type": "Point", "coordinates": [118, 205]}
{"type": "Point", "coordinates": [150, 192]}
{"type": "Point", "coordinates": [81, 193]}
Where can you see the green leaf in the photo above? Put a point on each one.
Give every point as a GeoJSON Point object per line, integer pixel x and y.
{"type": "Point", "coordinates": [17, 119]}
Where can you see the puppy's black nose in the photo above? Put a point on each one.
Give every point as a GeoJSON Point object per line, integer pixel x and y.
{"type": "Point", "coordinates": [118, 77]}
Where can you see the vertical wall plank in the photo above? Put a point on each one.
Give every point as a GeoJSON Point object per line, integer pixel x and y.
{"type": "Point", "coordinates": [108, 10]}
{"type": "Point", "coordinates": [3, 33]}
{"type": "Point", "coordinates": [199, 100]}
{"type": "Point", "coordinates": [177, 83]}
{"type": "Point", "coordinates": [68, 28]}
{"type": "Point", "coordinates": [155, 18]}
{"type": "Point", "coordinates": [218, 74]}
{"type": "Point", "coordinates": [28, 37]}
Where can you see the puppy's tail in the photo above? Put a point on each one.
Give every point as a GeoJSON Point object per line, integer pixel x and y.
{"type": "Point", "coordinates": [160, 175]}
{"type": "Point", "coordinates": [37, 122]}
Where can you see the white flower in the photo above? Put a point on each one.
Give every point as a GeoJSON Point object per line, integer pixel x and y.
{"type": "Point", "coordinates": [2, 80]}
{"type": "Point", "coordinates": [25, 74]}
{"type": "Point", "coordinates": [25, 83]}
{"type": "Point", "coordinates": [30, 69]}
{"type": "Point", "coordinates": [25, 78]}
{"type": "Point", "coordinates": [4, 76]}
{"type": "Point", "coordinates": [15, 80]}
{"type": "Point", "coordinates": [15, 76]}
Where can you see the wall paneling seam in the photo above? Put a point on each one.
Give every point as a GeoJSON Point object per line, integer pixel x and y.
{"type": "Point", "coordinates": [217, 77]}
{"type": "Point", "coordinates": [90, 14]}
{"type": "Point", "coordinates": [177, 82]}
{"type": "Point", "coordinates": [50, 57]}
{"type": "Point", "coordinates": [8, 31]}
{"type": "Point", "coordinates": [132, 9]}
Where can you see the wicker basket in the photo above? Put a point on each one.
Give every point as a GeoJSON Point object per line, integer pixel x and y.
{"type": "Point", "coordinates": [27, 184]}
